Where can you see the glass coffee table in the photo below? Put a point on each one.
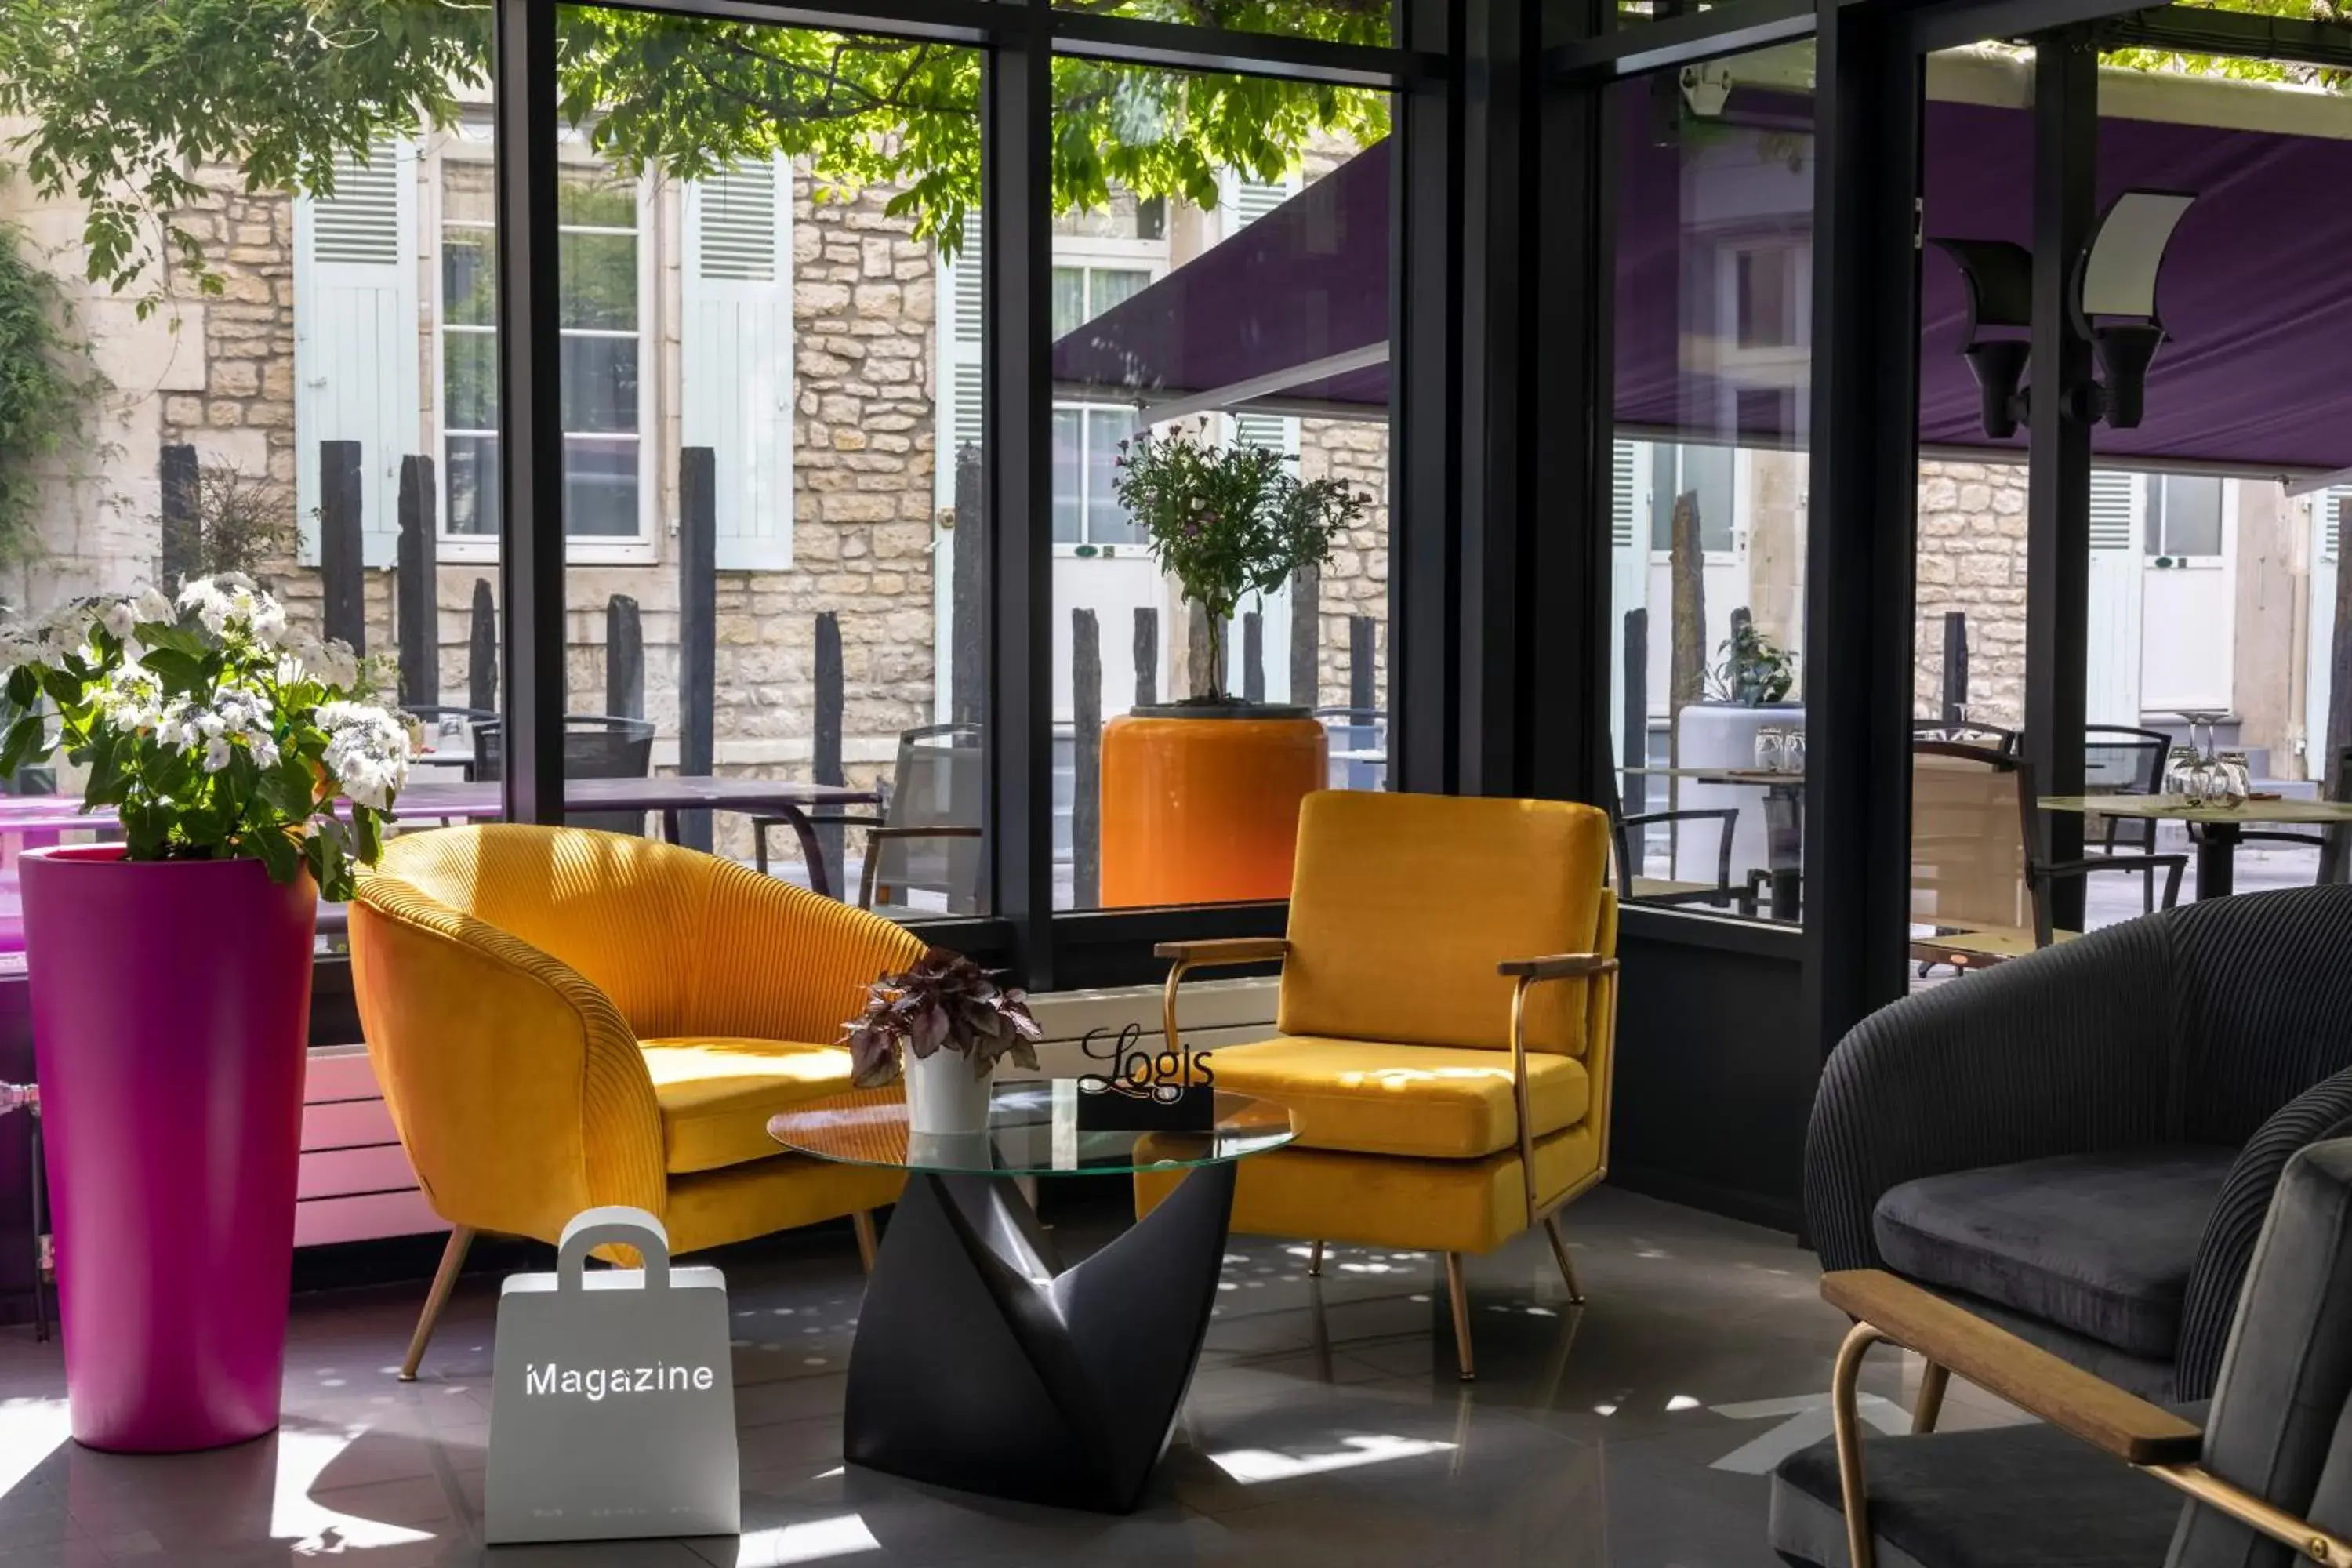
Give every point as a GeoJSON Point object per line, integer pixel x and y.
{"type": "Point", "coordinates": [980, 1362]}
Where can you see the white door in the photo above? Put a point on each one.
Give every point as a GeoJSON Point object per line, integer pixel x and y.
{"type": "Point", "coordinates": [2328, 509]}
{"type": "Point", "coordinates": [2188, 603]}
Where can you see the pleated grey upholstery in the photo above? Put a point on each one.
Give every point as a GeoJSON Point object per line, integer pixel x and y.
{"type": "Point", "coordinates": [2223, 1023]}
{"type": "Point", "coordinates": [2279, 1426]}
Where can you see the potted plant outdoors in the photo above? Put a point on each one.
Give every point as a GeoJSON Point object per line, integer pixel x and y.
{"type": "Point", "coordinates": [1200, 797]}
{"type": "Point", "coordinates": [944, 1024]}
{"type": "Point", "coordinates": [171, 982]}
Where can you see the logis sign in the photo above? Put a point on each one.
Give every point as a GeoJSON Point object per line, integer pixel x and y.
{"type": "Point", "coordinates": [613, 1403]}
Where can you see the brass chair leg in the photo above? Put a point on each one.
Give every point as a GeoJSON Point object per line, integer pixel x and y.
{"type": "Point", "coordinates": [1460, 1292]}
{"type": "Point", "coordinates": [864, 1221]}
{"type": "Point", "coordinates": [445, 1278]}
{"type": "Point", "coordinates": [1559, 1252]}
{"type": "Point", "coordinates": [1845, 1419]}
{"type": "Point", "coordinates": [1315, 1262]}
{"type": "Point", "coordinates": [1932, 1383]}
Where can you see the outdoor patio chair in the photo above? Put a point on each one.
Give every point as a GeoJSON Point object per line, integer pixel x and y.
{"type": "Point", "coordinates": [2079, 1146]}
{"type": "Point", "coordinates": [1978, 882]}
{"type": "Point", "coordinates": [1962, 733]}
{"type": "Point", "coordinates": [1448, 1025]}
{"type": "Point", "coordinates": [2119, 760]}
{"type": "Point", "coordinates": [927, 838]}
{"type": "Point", "coordinates": [2105, 1480]}
{"type": "Point", "coordinates": [595, 746]}
{"type": "Point", "coordinates": [562, 1019]}
{"type": "Point", "coordinates": [1626, 835]}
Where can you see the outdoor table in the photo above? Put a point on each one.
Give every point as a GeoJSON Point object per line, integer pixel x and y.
{"type": "Point", "coordinates": [424, 800]}
{"type": "Point", "coordinates": [982, 1361]}
{"type": "Point", "coordinates": [2222, 827]}
{"type": "Point", "coordinates": [1784, 825]}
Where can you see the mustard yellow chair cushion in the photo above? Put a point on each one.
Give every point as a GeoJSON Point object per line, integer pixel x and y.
{"type": "Point", "coordinates": [716, 1095]}
{"type": "Point", "coordinates": [1402, 905]}
{"type": "Point", "coordinates": [1437, 1102]}
{"type": "Point", "coordinates": [1372, 1200]}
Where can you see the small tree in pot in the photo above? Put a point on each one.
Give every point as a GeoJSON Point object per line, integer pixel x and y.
{"type": "Point", "coordinates": [1227, 522]}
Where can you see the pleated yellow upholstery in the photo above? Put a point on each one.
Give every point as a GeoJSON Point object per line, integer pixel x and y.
{"type": "Point", "coordinates": [1437, 1102]}
{"type": "Point", "coordinates": [1439, 1205]}
{"type": "Point", "coordinates": [1394, 1050]}
{"type": "Point", "coordinates": [506, 976]}
{"type": "Point", "coordinates": [1402, 904]}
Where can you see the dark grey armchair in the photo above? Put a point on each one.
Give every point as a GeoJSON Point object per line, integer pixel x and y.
{"type": "Point", "coordinates": [2080, 1145]}
{"type": "Point", "coordinates": [2100, 1480]}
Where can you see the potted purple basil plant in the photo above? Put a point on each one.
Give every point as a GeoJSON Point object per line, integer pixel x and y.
{"type": "Point", "coordinates": [946, 1023]}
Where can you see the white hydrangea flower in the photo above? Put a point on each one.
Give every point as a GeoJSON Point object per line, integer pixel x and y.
{"type": "Point", "coordinates": [218, 752]}
{"type": "Point", "coordinates": [118, 618]}
{"type": "Point", "coordinates": [151, 606]}
{"type": "Point", "coordinates": [367, 751]}
{"type": "Point", "coordinates": [132, 699]}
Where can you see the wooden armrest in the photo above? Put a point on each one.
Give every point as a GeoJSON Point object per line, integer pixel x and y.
{"type": "Point", "coordinates": [1226, 950]}
{"type": "Point", "coordinates": [1560, 966]}
{"type": "Point", "coordinates": [2098, 1413]}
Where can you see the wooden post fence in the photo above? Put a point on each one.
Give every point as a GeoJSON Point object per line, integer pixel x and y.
{"type": "Point", "coordinates": [340, 561]}
{"type": "Point", "coordinates": [1955, 666]}
{"type": "Point", "coordinates": [416, 621]}
{"type": "Point", "coordinates": [826, 742]}
{"type": "Point", "coordinates": [183, 541]}
{"type": "Point", "coordinates": [1086, 798]}
{"type": "Point", "coordinates": [968, 593]}
{"type": "Point", "coordinates": [1307, 637]}
{"type": "Point", "coordinates": [482, 651]}
{"type": "Point", "coordinates": [1146, 656]}
{"type": "Point", "coordinates": [697, 624]}
{"type": "Point", "coordinates": [1362, 651]}
{"type": "Point", "coordinates": [1253, 657]}
{"type": "Point", "coordinates": [1633, 735]}
{"type": "Point", "coordinates": [625, 659]}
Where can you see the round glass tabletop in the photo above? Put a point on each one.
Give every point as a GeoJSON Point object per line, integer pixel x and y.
{"type": "Point", "coordinates": [1033, 1130]}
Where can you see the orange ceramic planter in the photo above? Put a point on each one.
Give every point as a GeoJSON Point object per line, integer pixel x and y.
{"type": "Point", "coordinates": [1204, 809]}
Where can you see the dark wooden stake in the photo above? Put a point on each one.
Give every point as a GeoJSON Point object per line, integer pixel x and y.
{"type": "Point", "coordinates": [182, 541]}
{"type": "Point", "coordinates": [1363, 650]}
{"type": "Point", "coordinates": [1085, 799]}
{"type": "Point", "coordinates": [1633, 738]}
{"type": "Point", "coordinates": [341, 564]}
{"type": "Point", "coordinates": [1955, 666]}
{"type": "Point", "coordinates": [625, 659]}
{"type": "Point", "coordinates": [697, 624]}
{"type": "Point", "coordinates": [419, 617]}
{"type": "Point", "coordinates": [482, 651]}
{"type": "Point", "coordinates": [968, 662]}
{"type": "Point", "coordinates": [826, 768]}
{"type": "Point", "coordinates": [1253, 657]}
{"type": "Point", "coordinates": [1146, 656]}
{"type": "Point", "coordinates": [1306, 636]}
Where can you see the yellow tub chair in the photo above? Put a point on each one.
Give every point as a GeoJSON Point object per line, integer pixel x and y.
{"type": "Point", "coordinates": [562, 1018]}
{"type": "Point", "coordinates": [1448, 1020]}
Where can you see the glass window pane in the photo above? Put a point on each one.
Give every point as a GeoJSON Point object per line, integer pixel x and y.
{"type": "Point", "coordinates": [1069, 298]}
{"type": "Point", "coordinates": [2192, 515]}
{"type": "Point", "coordinates": [595, 198]}
{"type": "Point", "coordinates": [1108, 522]}
{"type": "Point", "coordinates": [472, 481]}
{"type": "Point", "coordinates": [600, 383]}
{"type": "Point", "coordinates": [470, 380]}
{"type": "Point", "coordinates": [600, 488]}
{"type": "Point", "coordinates": [469, 277]}
{"type": "Point", "coordinates": [1111, 285]}
{"type": "Point", "coordinates": [468, 191]}
{"type": "Point", "coordinates": [597, 284]}
{"type": "Point", "coordinates": [1069, 498]}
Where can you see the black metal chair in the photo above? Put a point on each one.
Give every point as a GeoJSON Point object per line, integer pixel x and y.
{"type": "Point", "coordinates": [2100, 1480]}
{"type": "Point", "coordinates": [2078, 1145]}
{"type": "Point", "coordinates": [595, 746]}
{"type": "Point", "coordinates": [1626, 834]}
{"type": "Point", "coordinates": [1963, 732]}
{"type": "Point", "coordinates": [927, 838]}
{"type": "Point", "coordinates": [2120, 760]}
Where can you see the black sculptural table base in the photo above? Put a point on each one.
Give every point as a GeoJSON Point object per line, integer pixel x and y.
{"type": "Point", "coordinates": [982, 1364]}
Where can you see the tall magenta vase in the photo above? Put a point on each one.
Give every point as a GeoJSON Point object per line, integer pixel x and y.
{"type": "Point", "coordinates": [171, 1016]}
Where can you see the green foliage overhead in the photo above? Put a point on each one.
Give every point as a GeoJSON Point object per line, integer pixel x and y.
{"type": "Point", "coordinates": [125, 99]}
{"type": "Point", "coordinates": [2238, 68]}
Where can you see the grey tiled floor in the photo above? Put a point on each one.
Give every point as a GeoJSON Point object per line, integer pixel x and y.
{"type": "Point", "coordinates": [1325, 1424]}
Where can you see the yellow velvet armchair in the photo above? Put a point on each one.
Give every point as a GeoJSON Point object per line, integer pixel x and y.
{"type": "Point", "coordinates": [1447, 1026]}
{"type": "Point", "coordinates": [562, 1018]}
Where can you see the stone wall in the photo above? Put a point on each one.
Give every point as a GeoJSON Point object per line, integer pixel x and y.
{"type": "Point", "coordinates": [1355, 579]}
{"type": "Point", "coordinates": [1972, 558]}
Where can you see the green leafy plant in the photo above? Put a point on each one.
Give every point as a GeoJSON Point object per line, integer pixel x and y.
{"type": "Point", "coordinates": [47, 386]}
{"type": "Point", "coordinates": [1226, 521]}
{"type": "Point", "coordinates": [945, 1002]}
{"type": "Point", "coordinates": [243, 523]}
{"type": "Point", "coordinates": [211, 732]}
{"type": "Point", "coordinates": [1755, 670]}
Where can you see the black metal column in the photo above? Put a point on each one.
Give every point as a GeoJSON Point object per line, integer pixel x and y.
{"type": "Point", "coordinates": [1864, 483]}
{"type": "Point", "coordinates": [1016, 212]}
{"type": "Point", "coordinates": [530, 425]}
{"type": "Point", "coordinates": [2058, 492]}
{"type": "Point", "coordinates": [1425, 470]}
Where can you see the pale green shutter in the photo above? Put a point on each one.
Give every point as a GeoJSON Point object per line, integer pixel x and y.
{"type": "Point", "coordinates": [2118, 568]}
{"type": "Point", "coordinates": [957, 384]}
{"type": "Point", "coordinates": [736, 396]}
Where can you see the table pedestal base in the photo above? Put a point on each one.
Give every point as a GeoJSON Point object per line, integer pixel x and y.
{"type": "Point", "coordinates": [981, 1363]}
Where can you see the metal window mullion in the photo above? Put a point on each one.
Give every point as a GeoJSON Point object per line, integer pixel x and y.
{"type": "Point", "coordinates": [530, 433]}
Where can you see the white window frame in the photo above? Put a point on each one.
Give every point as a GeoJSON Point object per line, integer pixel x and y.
{"type": "Point", "coordinates": [1093, 254]}
{"type": "Point", "coordinates": [470, 144]}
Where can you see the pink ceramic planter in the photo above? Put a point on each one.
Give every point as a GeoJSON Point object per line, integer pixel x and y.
{"type": "Point", "coordinates": [170, 1011]}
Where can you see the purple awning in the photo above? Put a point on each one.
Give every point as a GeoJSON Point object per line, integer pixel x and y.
{"type": "Point", "coordinates": [2255, 377]}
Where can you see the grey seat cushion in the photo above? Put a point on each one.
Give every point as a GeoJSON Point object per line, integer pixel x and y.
{"type": "Point", "coordinates": [2012, 1496]}
{"type": "Point", "coordinates": [2098, 1244]}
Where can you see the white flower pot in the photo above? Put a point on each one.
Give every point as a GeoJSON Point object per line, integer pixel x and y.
{"type": "Point", "coordinates": [944, 1095]}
